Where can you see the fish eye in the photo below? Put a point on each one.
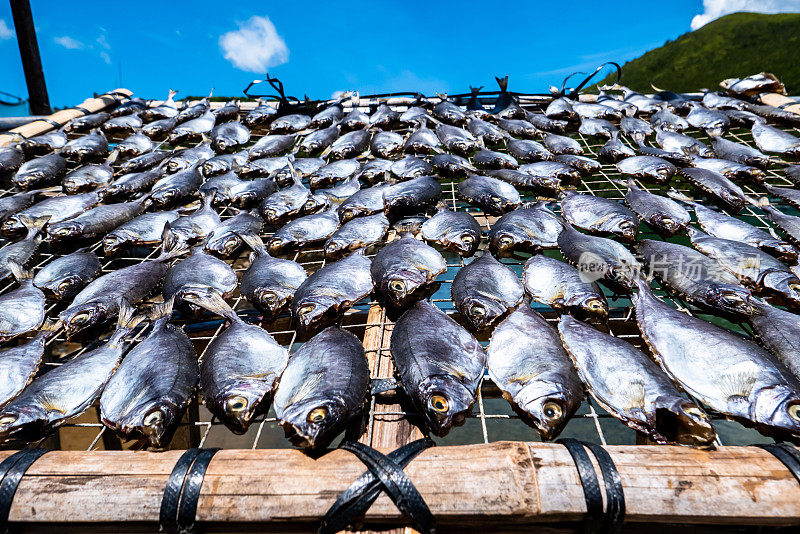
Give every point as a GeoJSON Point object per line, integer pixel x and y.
{"type": "Point", "coordinates": [794, 412]}
{"type": "Point", "coordinates": [552, 410]}
{"type": "Point", "coordinates": [696, 412]}
{"type": "Point", "coordinates": [231, 243]}
{"type": "Point", "coordinates": [794, 287]}
{"type": "Point", "coordinates": [236, 404]}
{"type": "Point", "coordinates": [594, 304]}
{"type": "Point", "coordinates": [7, 419]}
{"type": "Point", "coordinates": [81, 318]}
{"type": "Point", "coordinates": [269, 296]}
{"type": "Point", "coordinates": [506, 241]}
{"type": "Point", "coordinates": [733, 298]}
{"type": "Point", "coordinates": [439, 403]}
{"type": "Point", "coordinates": [153, 418]}
{"type": "Point", "coordinates": [64, 286]}
{"type": "Point", "coordinates": [467, 239]}
{"type": "Point", "coordinates": [478, 310]}
{"type": "Point", "coordinates": [64, 230]}
{"type": "Point", "coordinates": [308, 308]}
{"type": "Point", "coordinates": [270, 213]}
{"type": "Point", "coordinates": [397, 285]}
{"type": "Point", "coordinates": [495, 199]}
{"type": "Point", "coordinates": [318, 415]}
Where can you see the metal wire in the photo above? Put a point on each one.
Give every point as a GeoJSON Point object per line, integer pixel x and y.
{"type": "Point", "coordinates": [492, 419]}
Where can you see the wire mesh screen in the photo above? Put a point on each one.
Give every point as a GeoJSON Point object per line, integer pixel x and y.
{"type": "Point", "coordinates": [492, 418]}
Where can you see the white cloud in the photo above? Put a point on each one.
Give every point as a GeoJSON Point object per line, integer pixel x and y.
{"type": "Point", "coordinates": [69, 43]}
{"type": "Point", "coordinates": [255, 46]}
{"type": "Point", "coordinates": [714, 9]}
{"type": "Point", "coordinates": [5, 31]}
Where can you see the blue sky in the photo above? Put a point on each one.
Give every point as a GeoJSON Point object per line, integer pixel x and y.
{"type": "Point", "coordinates": [320, 47]}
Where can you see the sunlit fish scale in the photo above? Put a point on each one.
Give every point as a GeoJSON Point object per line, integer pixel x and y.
{"type": "Point", "coordinates": [527, 229]}
{"type": "Point", "coordinates": [118, 126]}
{"type": "Point", "coordinates": [490, 134]}
{"type": "Point", "coordinates": [636, 129]}
{"type": "Point", "coordinates": [153, 385]}
{"type": "Point", "coordinates": [423, 140]}
{"type": "Point", "coordinates": [86, 178]}
{"type": "Point", "coordinates": [58, 208]}
{"type": "Point", "coordinates": [712, 121]}
{"type": "Point", "coordinates": [559, 285]}
{"type": "Point", "coordinates": [452, 166]}
{"type": "Point", "coordinates": [696, 277]}
{"type": "Point", "coordinates": [227, 238]}
{"type": "Point", "coordinates": [39, 145]}
{"type": "Point", "coordinates": [384, 117]}
{"type": "Point", "coordinates": [160, 129]}
{"type": "Point", "coordinates": [272, 145]}
{"type": "Point", "coordinates": [544, 123]}
{"type": "Point", "coordinates": [614, 150]}
{"type": "Point", "coordinates": [87, 122]}
{"type": "Point", "coordinates": [188, 157]}
{"type": "Point", "coordinates": [282, 205]}
{"type": "Point", "coordinates": [146, 229]}
{"type": "Point", "coordinates": [21, 251]}
{"type": "Point", "coordinates": [739, 153]}
{"type": "Point", "coordinates": [129, 184]}
{"type": "Point", "coordinates": [405, 269]}
{"type": "Point", "coordinates": [21, 309]}
{"type": "Point", "coordinates": [190, 228]}
{"type": "Point", "coordinates": [559, 144]}
{"type": "Point", "coordinates": [647, 168]}
{"type": "Point", "coordinates": [662, 214]}
{"type": "Point", "coordinates": [552, 169]}
{"type": "Point", "coordinates": [779, 332]}
{"type": "Point", "coordinates": [175, 187]}
{"type": "Point", "coordinates": [409, 167]}
{"type": "Point", "coordinates": [9, 205]}
{"type": "Point", "coordinates": [219, 187]}
{"type": "Point", "coordinates": [307, 230]}
{"type": "Point", "coordinates": [456, 231]}
{"type": "Point", "coordinates": [361, 232]}
{"type": "Point", "coordinates": [333, 172]}
{"type": "Point", "coordinates": [387, 144]}
{"type": "Point", "coordinates": [328, 293]}
{"type": "Point", "coordinates": [518, 127]}
{"type": "Point", "coordinates": [87, 148]}
{"type": "Point", "coordinates": [100, 300]}
{"type": "Point", "coordinates": [270, 283]}
{"type": "Point", "coordinates": [223, 163]}
{"type": "Point", "coordinates": [323, 388]}
{"type": "Point", "coordinates": [198, 275]}
{"type": "Point", "coordinates": [448, 112]}
{"type": "Point", "coordinates": [65, 276]}
{"type": "Point", "coordinates": [355, 120]}
{"type": "Point", "coordinates": [411, 197]}
{"type": "Point", "coordinates": [440, 365]}
{"type": "Point", "coordinates": [456, 139]}
{"type": "Point", "coordinates": [776, 141]}
{"type": "Point", "coordinates": [485, 290]}
{"type": "Point", "coordinates": [229, 136]}
{"type": "Point", "coordinates": [682, 144]}
{"type": "Point", "coordinates": [350, 145]}
{"type": "Point", "coordinates": [529, 365]}
{"type": "Point", "coordinates": [595, 111]}
{"type": "Point", "coordinates": [723, 370]}
{"type": "Point", "coordinates": [599, 215]}
{"type": "Point", "coordinates": [490, 194]}
{"type": "Point", "coordinates": [327, 117]}
{"type": "Point", "coordinates": [19, 365]}
{"type": "Point", "coordinates": [67, 390]}
{"type": "Point", "coordinates": [338, 193]}
{"type": "Point", "coordinates": [717, 187]}
{"type": "Point", "coordinates": [598, 128]}
{"type": "Point", "coordinates": [527, 150]}
{"type": "Point", "coordinates": [600, 258]}
{"type": "Point", "coordinates": [261, 115]}
{"type": "Point", "coordinates": [730, 169]}
{"type": "Point", "coordinates": [40, 171]}
{"type": "Point", "coordinates": [633, 388]}
{"type": "Point", "coordinates": [755, 269]}
{"type": "Point", "coordinates": [289, 123]}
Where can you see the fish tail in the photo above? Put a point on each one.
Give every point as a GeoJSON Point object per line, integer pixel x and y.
{"type": "Point", "coordinates": [50, 327]}
{"type": "Point", "coordinates": [33, 224]}
{"type": "Point", "coordinates": [254, 242]}
{"type": "Point", "coordinates": [213, 302]}
{"type": "Point", "coordinates": [677, 195]}
{"type": "Point", "coordinates": [127, 319]}
{"type": "Point", "coordinates": [20, 274]}
{"type": "Point", "coordinates": [161, 310]}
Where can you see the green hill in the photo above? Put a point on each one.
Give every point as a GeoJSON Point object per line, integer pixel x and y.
{"type": "Point", "coordinates": [733, 46]}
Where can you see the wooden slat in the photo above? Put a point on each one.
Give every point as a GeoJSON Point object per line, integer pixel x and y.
{"type": "Point", "coordinates": [492, 486]}
{"type": "Point", "coordinates": [774, 99]}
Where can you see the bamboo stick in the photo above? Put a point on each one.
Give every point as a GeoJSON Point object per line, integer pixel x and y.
{"type": "Point", "coordinates": [62, 117]}
{"type": "Point", "coordinates": [777, 100]}
{"type": "Point", "coordinates": [497, 486]}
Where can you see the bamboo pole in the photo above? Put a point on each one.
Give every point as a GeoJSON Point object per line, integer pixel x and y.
{"type": "Point", "coordinates": [40, 126]}
{"type": "Point", "coordinates": [500, 486]}
{"type": "Point", "coordinates": [777, 100]}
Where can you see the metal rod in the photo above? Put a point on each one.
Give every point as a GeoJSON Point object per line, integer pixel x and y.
{"type": "Point", "coordinates": [29, 53]}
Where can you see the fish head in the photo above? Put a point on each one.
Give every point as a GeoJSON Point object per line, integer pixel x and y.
{"type": "Point", "coordinates": [445, 403]}
{"type": "Point", "coordinates": [315, 203]}
{"type": "Point", "coordinates": [593, 306]}
{"type": "Point", "coordinates": [624, 227]}
{"type": "Point", "coordinates": [683, 422]}
{"type": "Point", "coordinates": [238, 406]}
{"type": "Point", "coordinates": [464, 243]}
{"type": "Point", "coordinates": [242, 199]}
{"type": "Point", "coordinates": [221, 144]}
{"type": "Point", "coordinates": [214, 168]}
{"type": "Point", "coordinates": [12, 225]}
{"type": "Point", "coordinates": [313, 311]}
{"type": "Point", "coordinates": [155, 420]}
{"type": "Point", "coordinates": [504, 243]}
{"type": "Point", "coordinates": [64, 230]}
{"type": "Point", "coordinates": [401, 285]}
{"type": "Point", "coordinates": [112, 243]}
{"type": "Point", "coordinates": [313, 422]}
{"type": "Point", "coordinates": [23, 422]}
{"type": "Point", "coordinates": [482, 312]}
{"type": "Point", "coordinates": [225, 245]}
{"type": "Point", "coordinates": [176, 164]}
{"type": "Point", "coordinates": [74, 185]}
{"type": "Point", "coordinates": [350, 212]}
{"type": "Point", "coordinates": [731, 298]}
{"type": "Point", "coordinates": [777, 408]}
{"type": "Point", "coordinates": [165, 196]}
{"type": "Point", "coordinates": [27, 179]}
{"type": "Point", "coordinates": [734, 201]}
{"type": "Point", "coordinates": [785, 285]}
{"type": "Point", "coordinates": [667, 223]}
{"type": "Point", "coordinates": [64, 287]}
{"type": "Point", "coordinates": [548, 406]}
{"type": "Point", "coordinates": [780, 249]}
{"type": "Point", "coordinates": [277, 244]}
{"type": "Point", "coordinates": [83, 316]}
{"type": "Point", "coordinates": [334, 248]}
{"type": "Point", "coordinates": [270, 300]}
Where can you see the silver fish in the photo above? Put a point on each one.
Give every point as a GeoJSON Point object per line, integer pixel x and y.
{"type": "Point", "coordinates": [289, 123]}
{"type": "Point", "coordinates": [19, 365]}
{"type": "Point", "coordinates": [490, 194]}
{"type": "Point", "coordinates": [662, 214]}
{"type": "Point", "coordinates": [491, 159]}
{"type": "Point", "coordinates": [456, 139]}
{"type": "Point", "coordinates": [547, 185]}
{"type": "Point", "coordinates": [778, 330]}
{"type": "Point", "coordinates": [134, 145]}
{"type": "Point", "coordinates": [188, 157]}
{"type": "Point", "coordinates": [423, 140]}
{"type": "Point", "coordinates": [327, 117]}
{"type": "Point", "coordinates": [598, 128]}
{"type": "Point", "coordinates": [21, 309]}
{"type": "Point", "coordinates": [771, 139]}
{"type": "Point", "coordinates": [307, 230]}
{"type": "Point", "coordinates": [282, 205]}
{"type": "Point", "coordinates": [41, 145]}
{"type": "Point", "coordinates": [64, 277]}
{"type": "Point", "coordinates": [226, 239]}
{"type": "Point", "coordinates": [718, 188]}
{"type": "Point", "coordinates": [175, 187]}
{"type": "Point", "coordinates": [410, 167]}
{"type": "Point", "coordinates": [452, 166]}
{"type": "Point", "coordinates": [146, 229]}
{"type": "Point", "coordinates": [355, 120]}
{"type": "Point", "coordinates": [730, 169]}
{"type": "Point", "coordinates": [636, 129]}
{"type": "Point", "coordinates": [448, 112]}
{"type": "Point", "coordinates": [614, 150]}
{"type": "Point", "coordinates": [229, 136]}
{"type": "Point", "coordinates": [456, 231]}
{"type": "Point", "coordinates": [552, 169]}
{"type": "Point", "coordinates": [193, 227]}
{"type": "Point", "coordinates": [599, 215]}
{"type": "Point", "coordinates": [527, 229]}
{"type": "Point", "coordinates": [384, 117]}
{"type": "Point", "coordinates": [87, 178]}
{"type": "Point", "coordinates": [405, 269]}
{"type": "Point", "coordinates": [11, 157]}
{"type": "Point", "coordinates": [560, 144]}
{"type": "Point", "coordinates": [738, 152]}
{"type": "Point", "coordinates": [89, 147]}
{"type": "Point", "coordinates": [271, 146]}
{"type": "Point", "coordinates": [527, 150]}
{"type": "Point", "coordinates": [87, 122]}
{"type": "Point", "coordinates": [260, 115]}
{"type": "Point", "coordinates": [9, 205]}
{"type": "Point", "coordinates": [42, 170]}
{"type": "Point", "coordinates": [223, 163]}
{"type": "Point", "coordinates": [559, 285]}
{"type": "Point", "coordinates": [374, 170]}
{"type": "Point", "coordinates": [96, 221]}
{"type": "Point", "coordinates": [490, 134]}
{"type": "Point", "coordinates": [485, 290]}
{"type": "Point", "coordinates": [159, 129]}
{"type": "Point", "coordinates": [166, 110]}
{"type": "Point", "coordinates": [682, 144]}
{"type": "Point", "coordinates": [411, 197]}
{"type": "Point", "coordinates": [560, 108]}
{"type": "Point", "coordinates": [332, 173]}
{"type": "Point", "coordinates": [362, 203]}
{"type": "Point", "coordinates": [386, 144]}
{"type": "Point", "coordinates": [20, 252]}
{"type": "Point", "coordinates": [518, 127]}
{"type": "Point", "coordinates": [58, 208]}
{"type": "Point", "coordinates": [143, 162]}
{"type": "Point", "coordinates": [712, 121]}
{"type": "Point", "coordinates": [199, 274]}
{"type": "Point", "coordinates": [361, 232]}
{"type": "Point", "coordinates": [270, 283]}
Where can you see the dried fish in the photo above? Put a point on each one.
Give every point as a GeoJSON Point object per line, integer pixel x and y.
{"type": "Point", "coordinates": [527, 229]}
{"type": "Point", "coordinates": [64, 277]}
{"type": "Point", "coordinates": [490, 194]}
{"type": "Point", "coordinates": [718, 188]}
{"type": "Point", "coordinates": [21, 309]}
{"type": "Point", "coordinates": [307, 230]}
{"type": "Point", "coordinates": [456, 231]}
{"type": "Point", "coordinates": [361, 232]}
{"type": "Point", "coordinates": [560, 286]}
{"type": "Point", "coordinates": [405, 269]}
{"type": "Point", "coordinates": [662, 214]}
{"type": "Point", "coordinates": [485, 290]}
{"type": "Point", "coordinates": [270, 283]}
{"type": "Point", "coordinates": [599, 215]}
{"type": "Point", "coordinates": [411, 197]}
{"type": "Point", "coordinates": [87, 178]}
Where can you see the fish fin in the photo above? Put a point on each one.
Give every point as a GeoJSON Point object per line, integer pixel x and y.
{"type": "Point", "coordinates": [656, 89]}
{"type": "Point", "coordinates": [33, 224]}
{"type": "Point", "coordinates": [738, 380]}
{"type": "Point", "coordinates": [308, 386]}
{"type": "Point", "coordinates": [172, 250]}
{"type": "Point", "coordinates": [214, 303]}
{"type": "Point", "coordinates": [112, 157]}
{"type": "Point", "coordinates": [19, 273]}
{"type": "Point", "coordinates": [51, 326]}
{"type": "Point", "coordinates": [635, 395]}
{"type": "Point", "coordinates": [163, 309]}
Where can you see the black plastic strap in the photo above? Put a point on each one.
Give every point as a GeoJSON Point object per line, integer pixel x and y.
{"type": "Point", "coordinates": [382, 385]}
{"type": "Point", "coordinates": [396, 484]}
{"type": "Point", "coordinates": [12, 470]}
{"type": "Point", "coordinates": [50, 122]}
{"type": "Point", "coordinates": [615, 496]}
{"type": "Point", "coordinates": [179, 503]}
{"type": "Point", "coordinates": [357, 499]}
{"type": "Point", "coordinates": [787, 104]}
{"type": "Point", "coordinates": [787, 454]}
{"type": "Point", "coordinates": [591, 486]}
{"type": "Point", "coordinates": [82, 109]}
